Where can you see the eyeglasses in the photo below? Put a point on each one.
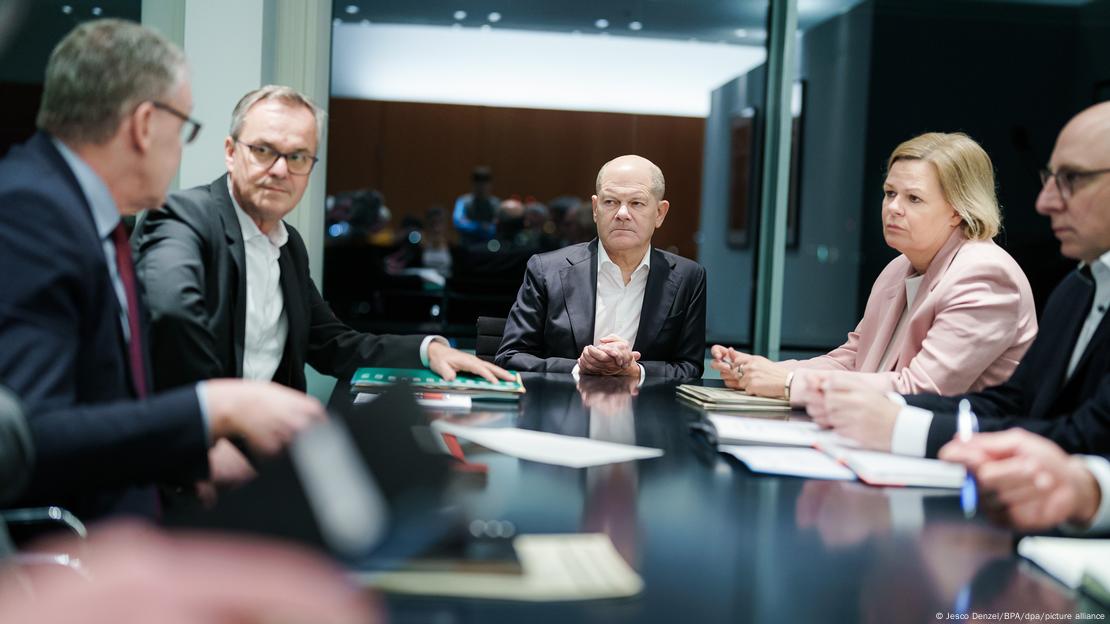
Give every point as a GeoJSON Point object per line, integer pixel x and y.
{"type": "Point", "coordinates": [189, 130]}
{"type": "Point", "coordinates": [298, 163]}
{"type": "Point", "coordinates": [1065, 179]}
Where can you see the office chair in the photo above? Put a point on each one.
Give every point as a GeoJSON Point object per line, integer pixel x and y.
{"type": "Point", "coordinates": [490, 331]}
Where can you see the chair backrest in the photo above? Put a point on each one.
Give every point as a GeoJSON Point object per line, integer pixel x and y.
{"type": "Point", "coordinates": [490, 331]}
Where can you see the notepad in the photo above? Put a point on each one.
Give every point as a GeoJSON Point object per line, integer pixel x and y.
{"type": "Point", "coordinates": [878, 468]}
{"type": "Point", "coordinates": [374, 379]}
{"type": "Point", "coordinates": [726, 399]}
{"type": "Point", "coordinates": [582, 566]}
{"type": "Point", "coordinates": [748, 430]}
{"type": "Point", "coordinates": [1081, 564]}
{"type": "Point", "coordinates": [794, 462]}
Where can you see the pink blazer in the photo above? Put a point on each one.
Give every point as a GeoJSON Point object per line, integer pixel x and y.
{"type": "Point", "coordinates": [972, 320]}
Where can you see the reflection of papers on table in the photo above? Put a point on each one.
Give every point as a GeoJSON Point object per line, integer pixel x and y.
{"type": "Point", "coordinates": [555, 567]}
{"type": "Point", "coordinates": [547, 448]}
{"type": "Point", "coordinates": [1079, 563]}
{"type": "Point", "coordinates": [745, 430]}
{"type": "Point", "coordinates": [795, 462]}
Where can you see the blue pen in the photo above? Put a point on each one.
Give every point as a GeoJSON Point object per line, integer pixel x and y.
{"type": "Point", "coordinates": [966, 425]}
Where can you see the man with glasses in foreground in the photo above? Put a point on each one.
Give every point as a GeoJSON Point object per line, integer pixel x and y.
{"type": "Point", "coordinates": [1054, 391]}
{"type": "Point", "coordinates": [73, 326]}
{"type": "Point", "coordinates": [228, 281]}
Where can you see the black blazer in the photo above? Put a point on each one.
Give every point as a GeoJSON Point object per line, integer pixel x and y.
{"type": "Point", "coordinates": [192, 261]}
{"type": "Point", "coordinates": [62, 352]}
{"type": "Point", "coordinates": [1074, 413]}
{"type": "Point", "coordinates": [552, 319]}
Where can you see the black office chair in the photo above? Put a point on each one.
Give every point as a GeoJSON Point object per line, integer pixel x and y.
{"type": "Point", "coordinates": [490, 331]}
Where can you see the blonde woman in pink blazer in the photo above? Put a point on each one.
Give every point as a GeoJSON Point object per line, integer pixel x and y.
{"type": "Point", "coordinates": [953, 313]}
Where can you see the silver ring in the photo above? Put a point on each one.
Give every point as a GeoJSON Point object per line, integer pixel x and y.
{"type": "Point", "coordinates": [739, 370]}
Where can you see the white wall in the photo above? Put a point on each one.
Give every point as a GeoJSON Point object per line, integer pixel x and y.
{"type": "Point", "coordinates": [532, 69]}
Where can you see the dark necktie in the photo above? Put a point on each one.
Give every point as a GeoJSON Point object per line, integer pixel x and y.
{"type": "Point", "coordinates": [127, 276]}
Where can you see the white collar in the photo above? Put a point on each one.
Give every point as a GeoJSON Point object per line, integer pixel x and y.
{"type": "Point", "coordinates": [278, 237]}
{"type": "Point", "coordinates": [603, 258]}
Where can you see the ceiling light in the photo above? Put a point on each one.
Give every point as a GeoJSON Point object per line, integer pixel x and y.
{"type": "Point", "coordinates": [67, 9]}
{"type": "Point", "coordinates": [351, 9]}
{"type": "Point", "coordinates": [741, 32]}
{"type": "Point", "coordinates": [336, 21]}
{"type": "Point", "coordinates": [635, 26]}
{"type": "Point", "coordinates": [460, 16]}
{"type": "Point", "coordinates": [456, 26]}
{"type": "Point", "coordinates": [602, 23]}
{"type": "Point", "coordinates": [97, 10]}
{"type": "Point", "coordinates": [365, 22]}
{"type": "Point", "coordinates": [494, 17]}
{"type": "Point", "coordinates": [485, 27]}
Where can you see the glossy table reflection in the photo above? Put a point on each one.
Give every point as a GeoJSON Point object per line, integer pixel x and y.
{"type": "Point", "coordinates": [717, 543]}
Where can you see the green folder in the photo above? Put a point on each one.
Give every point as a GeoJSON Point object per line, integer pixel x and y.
{"type": "Point", "coordinates": [370, 378]}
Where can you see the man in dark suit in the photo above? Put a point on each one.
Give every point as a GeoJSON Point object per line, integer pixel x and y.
{"type": "Point", "coordinates": [227, 280]}
{"type": "Point", "coordinates": [1052, 391]}
{"type": "Point", "coordinates": [615, 305]}
{"type": "Point", "coordinates": [113, 118]}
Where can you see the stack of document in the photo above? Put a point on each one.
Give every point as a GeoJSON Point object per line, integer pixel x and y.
{"type": "Point", "coordinates": [1082, 564]}
{"type": "Point", "coordinates": [553, 567]}
{"type": "Point", "coordinates": [728, 400]}
{"type": "Point", "coordinates": [477, 388]}
{"type": "Point", "coordinates": [547, 448]}
{"type": "Point", "coordinates": [821, 454]}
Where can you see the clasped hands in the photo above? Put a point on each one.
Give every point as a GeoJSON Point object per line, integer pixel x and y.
{"type": "Point", "coordinates": [751, 373]}
{"type": "Point", "coordinates": [611, 356]}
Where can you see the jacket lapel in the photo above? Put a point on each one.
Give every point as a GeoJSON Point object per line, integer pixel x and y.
{"type": "Point", "coordinates": [937, 268]}
{"type": "Point", "coordinates": [580, 293]}
{"type": "Point", "coordinates": [1074, 326]}
{"type": "Point", "coordinates": [233, 234]}
{"type": "Point", "coordinates": [889, 314]}
{"type": "Point", "coordinates": [659, 294]}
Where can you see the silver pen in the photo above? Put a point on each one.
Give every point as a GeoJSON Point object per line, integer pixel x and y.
{"type": "Point", "coordinates": [967, 425]}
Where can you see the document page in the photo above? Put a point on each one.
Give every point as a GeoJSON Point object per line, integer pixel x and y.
{"type": "Point", "coordinates": [794, 462]}
{"type": "Point", "coordinates": [547, 448]}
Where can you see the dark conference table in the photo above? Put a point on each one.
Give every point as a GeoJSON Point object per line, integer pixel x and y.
{"type": "Point", "coordinates": [715, 542]}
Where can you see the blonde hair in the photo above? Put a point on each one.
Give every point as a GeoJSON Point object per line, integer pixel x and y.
{"type": "Point", "coordinates": [966, 178]}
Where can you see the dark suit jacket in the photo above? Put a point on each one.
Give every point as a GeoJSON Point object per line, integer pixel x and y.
{"type": "Point", "coordinates": [63, 352]}
{"type": "Point", "coordinates": [553, 317]}
{"type": "Point", "coordinates": [192, 261]}
{"type": "Point", "coordinates": [1074, 413]}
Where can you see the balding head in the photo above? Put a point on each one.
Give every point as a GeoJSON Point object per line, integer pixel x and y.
{"type": "Point", "coordinates": [1077, 196]}
{"type": "Point", "coordinates": [634, 163]}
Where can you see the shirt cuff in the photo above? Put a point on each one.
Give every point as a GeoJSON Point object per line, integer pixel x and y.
{"type": "Point", "coordinates": [1100, 469]}
{"type": "Point", "coordinates": [911, 431]}
{"type": "Point", "coordinates": [574, 372]}
{"type": "Point", "coordinates": [202, 400]}
{"type": "Point", "coordinates": [643, 374]}
{"type": "Point", "coordinates": [424, 348]}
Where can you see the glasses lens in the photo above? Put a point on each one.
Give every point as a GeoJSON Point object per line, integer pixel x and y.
{"type": "Point", "coordinates": [299, 164]}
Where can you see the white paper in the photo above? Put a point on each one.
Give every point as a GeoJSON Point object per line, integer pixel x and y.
{"type": "Point", "coordinates": [555, 567]}
{"type": "Point", "coordinates": [877, 468]}
{"type": "Point", "coordinates": [547, 448]}
{"type": "Point", "coordinates": [796, 462]}
{"type": "Point", "coordinates": [435, 400]}
{"type": "Point", "coordinates": [746, 430]}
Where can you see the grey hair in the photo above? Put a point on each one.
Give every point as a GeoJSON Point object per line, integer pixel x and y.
{"type": "Point", "coordinates": [658, 184]}
{"type": "Point", "coordinates": [99, 73]}
{"type": "Point", "coordinates": [288, 95]}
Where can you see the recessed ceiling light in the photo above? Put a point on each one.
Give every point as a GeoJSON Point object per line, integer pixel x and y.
{"type": "Point", "coordinates": [97, 10]}
{"type": "Point", "coordinates": [351, 9]}
{"type": "Point", "coordinates": [456, 26]}
{"type": "Point", "coordinates": [485, 27]}
{"type": "Point", "coordinates": [336, 21]}
{"type": "Point", "coordinates": [67, 9]}
{"type": "Point", "coordinates": [576, 32]}
{"type": "Point", "coordinates": [602, 23]}
{"type": "Point", "coordinates": [741, 32]}
{"type": "Point", "coordinates": [365, 22]}
{"type": "Point", "coordinates": [635, 26]}
{"type": "Point", "coordinates": [494, 17]}
{"type": "Point", "coordinates": [460, 16]}
{"type": "Point", "coordinates": [604, 33]}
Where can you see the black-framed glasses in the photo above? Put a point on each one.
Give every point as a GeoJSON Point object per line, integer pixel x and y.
{"type": "Point", "coordinates": [1066, 179]}
{"type": "Point", "coordinates": [298, 163]}
{"type": "Point", "coordinates": [189, 129]}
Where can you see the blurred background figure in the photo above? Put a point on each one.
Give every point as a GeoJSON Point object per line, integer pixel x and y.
{"type": "Point", "coordinates": [474, 211]}
{"type": "Point", "coordinates": [358, 217]}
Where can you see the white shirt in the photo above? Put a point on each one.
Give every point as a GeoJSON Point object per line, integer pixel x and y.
{"type": "Point", "coordinates": [267, 326]}
{"type": "Point", "coordinates": [618, 305]}
{"type": "Point", "coordinates": [911, 429]}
